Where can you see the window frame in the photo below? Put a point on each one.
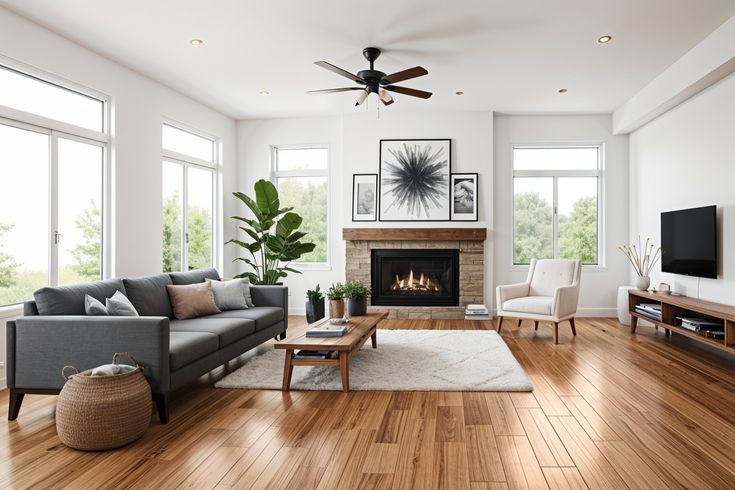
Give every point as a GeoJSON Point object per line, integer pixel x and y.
{"type": "Point", "coordinates": [275, 174]}
{"type": "Point", "coordinates": [555, 175]}
{"type": "Point", "coordinates": [188, 161]}
{"type": "Point", "coordinates": [55, 130]}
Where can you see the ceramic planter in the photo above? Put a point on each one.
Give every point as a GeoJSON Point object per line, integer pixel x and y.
{"type": "Point", "coordinates": [356, 306]}
{"type": "Point", "coordinates": [336, 308]}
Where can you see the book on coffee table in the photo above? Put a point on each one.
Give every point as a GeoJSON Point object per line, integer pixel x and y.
{"type": "Point", "coordinates": [327, 330]}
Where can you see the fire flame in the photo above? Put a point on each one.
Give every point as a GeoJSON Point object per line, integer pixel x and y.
{"type": "Point", "coordinates": [411, 284]}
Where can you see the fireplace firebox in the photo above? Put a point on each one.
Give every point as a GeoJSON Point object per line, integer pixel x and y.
{"type": "Point", "coordinates": [415, 277]}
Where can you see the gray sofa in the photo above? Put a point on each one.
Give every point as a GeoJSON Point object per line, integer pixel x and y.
{"type": "Point", "coordinates": [55, 331]}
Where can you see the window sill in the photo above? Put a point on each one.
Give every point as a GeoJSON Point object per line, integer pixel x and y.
{"type": "Point", "coordinates": [585, 268]}
{"type": "Point", "coordinates": [305, 266]}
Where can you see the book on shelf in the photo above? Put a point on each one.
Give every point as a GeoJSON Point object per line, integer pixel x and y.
{"type": "Point", "coordinates": [315, 354]}
{"type": "Point", "coordinates": [476, 313]}
{"type": "Point", "coordinates": [477, 317]}
{"type": "Point", "coordinates": [652, 307]}
{"type": "Point", "coordinates": [327, 330]}
{"type": "Point", "coordinates": [654, 315]}
{"type": "Point", "coordinates": [476, 307]}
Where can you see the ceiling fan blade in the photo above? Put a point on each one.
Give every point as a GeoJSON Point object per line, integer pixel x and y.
{"type": "Point", "coordinates": [362, 98]}
{"type": "Point", "coordinates": [408, 91]}
{"type": "Point", "coordinates": [333, 90]}
{"type": "Point", "coordinates": [385, 97]}
{"type": "Point", "coordinates": [415, 72]}
{"type": "Point", "coordinates": [339, 71]}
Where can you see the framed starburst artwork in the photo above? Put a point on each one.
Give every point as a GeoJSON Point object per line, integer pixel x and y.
{"type": "Point", "coordinates": [414, 180]}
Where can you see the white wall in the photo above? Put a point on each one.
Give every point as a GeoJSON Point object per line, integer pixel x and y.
{"type": "Point", "coordinates": [599, 285]}
{"type": "Point", "coordinates": [685, 159]}
{"type": "Point", "coordinates": [354, 142]}
{"type": "Point", "coordinates": [139, 107]}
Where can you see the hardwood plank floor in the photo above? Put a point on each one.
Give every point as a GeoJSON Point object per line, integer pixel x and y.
{"type": "Point", "coordinates": [609, 410]}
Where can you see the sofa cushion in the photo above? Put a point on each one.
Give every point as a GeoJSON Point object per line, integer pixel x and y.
{"type": "Point", "coordinates": [149, 296]}
{"type": "Point", "coordinates": [537, 305]}
{"type": "Point", "coordinates": [69, 300]}
{"type": "Point", "coordinates": [193, 277]}
{"type": "Point", "coordinates": [187, 347]}
{"type": "Point", "coordinates": [228, 330]}
{"type": "Point", "coordinates": [192, 300]}
{"type": "Point", "coordinates": [264, 316]}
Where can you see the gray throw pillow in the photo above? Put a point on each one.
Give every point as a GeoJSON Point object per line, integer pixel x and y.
{"type": "Point", "coordinates": [231, 295]}
{"type": "Point", "coordinates": [93, 307]}
{"type": "Point", "coordinates": [120, 305]}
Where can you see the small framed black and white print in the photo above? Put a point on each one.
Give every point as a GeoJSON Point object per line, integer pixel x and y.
{"type": "Point", "coordinates": [464, 197]}
{"type": "Point", "coordinates": [364, 197]}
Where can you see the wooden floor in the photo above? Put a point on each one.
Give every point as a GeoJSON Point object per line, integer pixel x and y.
{"type": "Point", "coordinates": [609, 410]}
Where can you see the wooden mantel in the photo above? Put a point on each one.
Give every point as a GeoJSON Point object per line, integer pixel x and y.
{"type": "Point", "coordinates": [414, 234]}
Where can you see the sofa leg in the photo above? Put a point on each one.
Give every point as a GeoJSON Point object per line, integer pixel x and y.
{"type": "Point", "coordinates": [535, 324]}
{"type": "Point", "coordinates": [519, 323]}
{"type": "Point", "coordinates": [574, 330]}
{"type": "Point", "coordinates": [282, 336]}
{"type": "Point", "coordinates": [500, 323]}
{"type": "Point", "coordinates": [15, 400]}
{"type": "Point", "coordinates": [556, 332]}
{"type": "Point", "coordinates": [162, 407]}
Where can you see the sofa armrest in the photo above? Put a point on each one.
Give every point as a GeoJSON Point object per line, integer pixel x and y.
{"type": "Point", "coordinates": [39, 346]}
{"type": "Point", "coordinates": [565, 301]}
{"type": "Point", "coordinates": [510, 291]}
{"type": "Point", "coordinates": [271, 296]}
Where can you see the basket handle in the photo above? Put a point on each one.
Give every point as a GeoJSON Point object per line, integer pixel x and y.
{"type": "Point", "coordinates": [63, 372]}
{"type": "Point", "coordinates": [128, 355]}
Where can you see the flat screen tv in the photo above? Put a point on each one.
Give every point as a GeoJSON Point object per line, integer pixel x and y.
{"type": "Point", "coordinates": [689, 242]}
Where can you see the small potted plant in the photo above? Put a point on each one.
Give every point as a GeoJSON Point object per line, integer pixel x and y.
{"type": "Point", "coordinates": [336, 297]}
{"type": "Point", "coordinates": [357, 294]}
{"type": "Point", "coordinates": [314, 304]}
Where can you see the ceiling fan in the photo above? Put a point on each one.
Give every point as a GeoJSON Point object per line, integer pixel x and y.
{"type": "Point", "coordinates": [374, 81]}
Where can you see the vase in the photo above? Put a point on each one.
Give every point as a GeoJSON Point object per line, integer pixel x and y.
{"type": "Point", "coordinates": [314, 310]}
{"type": "Point", "coordinates": [356, 306]}
{"type": "Point", "coordinates": [623, 313]}
{"type": "Point", "coordinates": [642, 282]}
{"type": "Point", "coordinates": [336, 308]}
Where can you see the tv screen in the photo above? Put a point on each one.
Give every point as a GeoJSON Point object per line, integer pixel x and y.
{"type": "Point", "coordinates": [689, 242]}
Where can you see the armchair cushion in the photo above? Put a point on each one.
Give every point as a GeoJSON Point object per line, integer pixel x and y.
{"type": "Point", "coordinates": [547, 275]}
{"type": "Point", "coordinates": [535, 305]}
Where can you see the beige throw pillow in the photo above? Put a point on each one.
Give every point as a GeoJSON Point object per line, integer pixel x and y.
{"type": "Point", "coordinates": [192, 300]}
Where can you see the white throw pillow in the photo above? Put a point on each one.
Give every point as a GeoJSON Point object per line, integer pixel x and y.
{"type": "Point", "coordinates": [231, 295]}
{"type": "Point", "coordinates": [92, 307]}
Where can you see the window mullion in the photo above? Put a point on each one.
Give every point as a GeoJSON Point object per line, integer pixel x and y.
{"type": "Point", "coordinates": [185, 221]}
{"type": "Point", "coordinates": [53, 190]}
{"type": "Point", "coordinates": [555, 221]}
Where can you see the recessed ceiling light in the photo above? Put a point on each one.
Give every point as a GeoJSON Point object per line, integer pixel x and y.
{"type": "Point", "coordinates": [264, 92]}
{"type": "Point", "coordinates": [604, 39]}
{"type": "Point", "coordinates": [563, 90]}
{"type": "Point", "coordinates": [196, 42]}
{"type": "Point", "coordinates": [459, 93]}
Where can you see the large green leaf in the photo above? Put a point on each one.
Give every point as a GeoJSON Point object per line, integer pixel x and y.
{"type": "Point", "coordinates": [254, 279]}
{"type": "Point", "coordinates": [249, 203]}
{"type": "Point", "coordinates": [275, 244]}
{"type": "Point", "coordinates": [256, 225]}
{"type": "Point", "coordinates": [288, 223]}
{"type": "Point", "coordinates": [251, 233]}
{"type": "Point", "coordinates": [296, 236]}
{"type": "Point", "coordinates": [266, 197]}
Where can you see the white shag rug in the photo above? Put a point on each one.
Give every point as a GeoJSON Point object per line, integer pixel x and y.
{"type": "Point", "coordinates": [405, 360]}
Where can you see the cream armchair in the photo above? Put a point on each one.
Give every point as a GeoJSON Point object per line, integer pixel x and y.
{"type": "Point", "coordinates": [549, 294]}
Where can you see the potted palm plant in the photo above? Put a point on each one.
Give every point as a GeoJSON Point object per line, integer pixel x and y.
{"type": "Point", "coordinates": [336, 297]}
{"type": "Point", "coordinates": [273, 230]}
{"type": "Point", "coordinates": [314, 304]}
{"type": "Point", "coordinates": [357, 294]}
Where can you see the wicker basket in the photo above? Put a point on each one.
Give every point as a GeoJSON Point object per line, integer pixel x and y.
{"type": "Point", "coordinates": [103, 412]}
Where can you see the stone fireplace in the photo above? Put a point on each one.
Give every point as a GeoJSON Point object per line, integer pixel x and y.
{"type": "Point", "coordinates": [441, 254]}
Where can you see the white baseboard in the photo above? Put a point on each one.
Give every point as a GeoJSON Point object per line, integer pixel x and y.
{"type": "Point", "coordinates": [297, 311]}
{"type": "Point", "coordinates": [3, 383]}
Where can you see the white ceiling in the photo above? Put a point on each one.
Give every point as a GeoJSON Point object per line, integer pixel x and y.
{"type": "Point", "coordinates": [507, 56]}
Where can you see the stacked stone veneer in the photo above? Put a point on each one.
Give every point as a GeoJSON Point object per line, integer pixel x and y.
{"type": "Point", "coordinates": [471, 275]}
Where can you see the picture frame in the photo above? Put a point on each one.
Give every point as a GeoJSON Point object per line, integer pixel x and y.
{"type": "Point", "coordinates": [405, 194]}
{"type": "Point", "coordinates": [465, 194]}
{"type": "Point", "coordinates": [364, 197]}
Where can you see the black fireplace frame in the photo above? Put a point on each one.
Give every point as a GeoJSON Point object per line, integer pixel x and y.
{"type": "Point", "coordinates": [378, 299]}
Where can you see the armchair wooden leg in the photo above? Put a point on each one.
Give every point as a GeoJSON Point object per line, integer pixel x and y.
{"type": "Point", "coordinates": [574, 330]}
{"type": "Point", "coordinates": [500, 323]}
{"type": "Point", "coordinates": [556, 332]}
{"type": "Point", "coordinates": [519, 323]}
{"type": "Point", "coordinates": [535, 324]}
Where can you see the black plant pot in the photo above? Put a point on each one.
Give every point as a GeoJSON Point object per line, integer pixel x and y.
{"type": "Point", "coordinates": [356, 306]}
{"type": "Point", "coordinates": [314, 310]}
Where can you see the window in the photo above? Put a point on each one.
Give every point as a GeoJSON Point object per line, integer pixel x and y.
{"type": "Point", "coordinates": [556, 203]}
{"type": "Point", "coordinates": [302, 175]}
{"type": "Point", "coordinates": [52, 186]}
{"type": "Point", "coordinates": [189, 196]}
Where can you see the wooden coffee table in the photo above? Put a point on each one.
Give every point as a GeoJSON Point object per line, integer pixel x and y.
{"type": "Point", "coordinates": [358, 330]}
